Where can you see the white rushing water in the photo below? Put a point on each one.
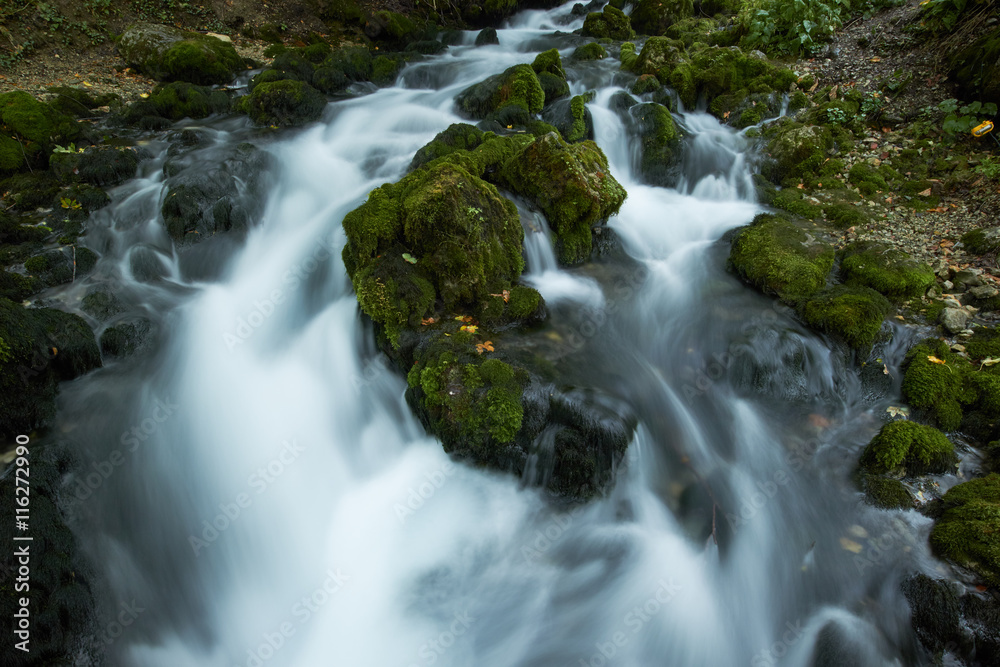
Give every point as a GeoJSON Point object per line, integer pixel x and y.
{"type": "Point", "coordinates": [292, 512]}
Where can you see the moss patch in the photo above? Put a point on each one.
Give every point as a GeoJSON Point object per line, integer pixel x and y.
{"type": "Point", "coordinates": [516, 86]}
{"type": "Point", "coordinates": [913, 448]}
{"type": "Point", "coordinates": [968, 532]}
{"type": "Point", "coordinates": [939, 388]}
{"type": "Point", "coordinates": [853, 314]}
{"type": "Point", "coordinates": [611, 23]}
{"type": "Point", "coordinates": [886, 270]}
{"type": "Point", "coordinates": [775, 256]}
{"type": "Point", "coordinates": [283, 103]}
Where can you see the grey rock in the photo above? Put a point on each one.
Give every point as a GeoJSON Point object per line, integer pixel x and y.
{"type": "Point", "coordinates": [954, 320]}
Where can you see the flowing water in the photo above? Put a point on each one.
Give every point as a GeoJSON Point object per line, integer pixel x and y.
{"type": "Point", "coordinates": [277, 503]}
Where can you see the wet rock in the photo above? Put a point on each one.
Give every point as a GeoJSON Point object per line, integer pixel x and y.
{"type": "Point", "coordinates": [654, 17]}
{"type": "Point", "coordinates": [283, 103]}
{"type": "Point", "coordinates": [571, 118]}
{"type": "Point", "coordinates": [104, 166]}
{"type": "Point", "coordinates": [39, 348]}
{"type": "Point", "coordinates": [517, 86]}
{"type": "Point", "coordinates": [126, 338]}
{"type": "Point", "coordinates": [57, 267]}
{"type": "Point", "coordinates": [611, 23]}
{"type": "Point", "coordinates": [487, 36]}
{"type": "Point", "coordinates": [936, 611]}
{"type": "Point", "coordinates": [954, 320]}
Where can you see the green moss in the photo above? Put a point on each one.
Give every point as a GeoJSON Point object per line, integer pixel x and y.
{"type": "Point", "coordinates": [385, 70]}
{"type": "Point", "coordinates": [628, 57]}
{"type": "Point", "coordinates": [283, 103]}
{"type": "Point", "coordinates": [647, 83]}
{"type": "Point", "coordinates": [798, 152]}
{"type": "Point", "coordinates": [78, 102]}
{"type": "Point", "coordinates": [578, 112]}
{"type": "Point", "coordinates": [867, 180]}
{"type": "Point", "coordinates": [553, 86]}
{"type": "Point", "coordinates": [889, 271]}
{"type": "Point", "coordinates": [654, 17]}
{"type": "Point", "coordinates": [660, 160]}
{"type": "Point", "coordinates": [968, 533]}
{"type": "Point", "coordinates": [549, 61]}
{"type": "Point", "coordinates": [887, 493]}
{"type": "Point", "coordinates": [517, 86]}
{"type": "Point", "coordinates": [458, 137]}
{"type": "Point", "coordinates": [178, 100]}
{"type": "Point", "coordinates": [660, 56]}
{"type": "Point", "coordinates": [978, 243]}
{"type": "Point", "coordinates": [611, 23]}
{"type": "Point", "coordinates": [853, 314]}
{"type": "Point", "coordinates": [29, 129]}
{"type": "Point", "coordinates": [773, 255]}
{"type": "Point", "coordinates": [202, 60]}
{"type": "Point", "coordinates": [844, 216]}
{"type": "Point", "coordinates": [98, 165]}
{"type": "Point", "coordinates": [487, 159]}
{"type": "Point", "coordinates": [792, 200]}
{"type": "Point", "coordinates": [466, 240]}
{"type": "Point", "coordinates": [916, 448]}
{"type": "Point", "coordinates": [984, 343]}
{"type": "Point", "coordinates": [938, 388]}
{"type": "Point", "coordinates": [571, 184]}
{"type": "Point", "coordinates": [524, 302]}
{"type": "Point", "coordinates": [591, 51]}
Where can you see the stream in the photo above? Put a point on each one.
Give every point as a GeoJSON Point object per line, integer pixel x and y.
{"type": "Point", "coordinates": [277, 503]}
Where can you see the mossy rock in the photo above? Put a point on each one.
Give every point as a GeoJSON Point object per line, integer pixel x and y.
{"type": "Point", "coordinates": [78, 102]}
{"type": "Point", "coordinates": [385, 69]}
{"type": "Point", "coordinates": [283, 103]}
{"type": "Point", "coordinates": [18, 288]}
{"type": "Point", "coordinates": [853, 314]}
{"type": "Point", "coordinates": [653, 17]}
{"type": "Point", "coordinates": [554, 87]}
{"type": "Point", "coordinates": [659, 56]}
{"type": "Point", "coordinates": [178, 100]}
{"type": "Point", "coordinates": [868, 180]}
{"type": "Point", "coordinates": [125, 338]}
{"type": "Point", "coordinates": [394, 28]}
{"type": "Point", "coordinates": [40, 348]}
{"type": "Point", "coordinates": [472, 404]}
{"type": "Point", "coordinates": [488, 158]}
{"type": "Point", "coordinates": [89, 197]}
{"type": "Point", "coordinates": [660, 160]}
{"type": "Point", "coordinates": [939, 388]}
{"type": "Point", "coordinates": [171, 54]}
{"type": "Point", "coordinates": [647, 83]}
{"type": "Point", "coordinates": [628, 58]}
{"type": "Point", "coordinates": [571, 118]}
{"type": "Point", "coordinates": [487, 37]}
{"type": "Point", "coordinates": [590, 51]}
{"type": "Point", "coordinates": [796, 150]}
{"type": "Point", "coordinates": [778, 258]}
{"type": "Point", "coordinates": [572, 186]}
{"type": "Point", "coordinates": [103, 166]}
{"type": "Point", "coordinates": [909, 448]}
{"type": "Point", "coordinates": [458, 137]}
{"type": "Point", "coordinates": [516, 86]}
{"type": "Point", "coordinates": [549, 61]}
{"type": "Point", "coordinates": [982, 241]}
{"type": "Point", "coordinates": [29, 129]}
{"type": "Point", "coordinates": [611, 23]}
{"type": "Point", "coordinates": [886, 270]}
{"type": "Point", "coordinates": [57, 267]}
{"type": "Point", "coordinates": [845, 216]}
{"type": "Point", "coordinates": [344, 66]}
{"type": "Point", "coordinates": [887, 493]}
{"type": "Point", "coordinates": [440, 235]}
{"type": "Point", "coordinates": [968, 532]}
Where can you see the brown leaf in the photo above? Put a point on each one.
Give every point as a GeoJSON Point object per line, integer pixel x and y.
{"type": "Point", "coordinates": [926, 193]}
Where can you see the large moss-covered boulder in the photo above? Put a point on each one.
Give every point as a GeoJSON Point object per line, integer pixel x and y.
{"type": "Point", "coordinates": [977, 69]}
{"type": "Point", "coordinates": [516, 87]}
{"type": "Point", "coordinates": [796, 150]}
{"type": "Point", "coordinates": [779, 258]}
{"type": "Point", "coordinates": [852, 314]}
{"type": "Point", "coordinates": [171, 54]}
{"type": "Point", "coordinates": [653, 17]}
{"type": "Point", "coordinates": [886, 270]}
{"type": "Point", "coordinates": [968, 532]}
{"type": "Point", "coordinates": [38, 349]}
{"type": "Point", "coordinates": [282, 103]}
{"type": "Point", "coordinates": [439, 236]}
{"type": "Point", "coordinates": [572, 186]}
{"type": "Point", "coordinates": [611, 22]}
{"type": "Point", "coordinates": [907, 448]}
{"type": "Point", "coordinates": [29, 129]}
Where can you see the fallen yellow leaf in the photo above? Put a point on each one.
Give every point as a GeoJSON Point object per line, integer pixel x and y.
{"type": "Point", "coordinates": [934, 360]}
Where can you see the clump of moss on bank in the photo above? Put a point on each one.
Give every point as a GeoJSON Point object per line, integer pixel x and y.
{"type": "Point", "coordinates": [968, 532]}
{"type": "Point", "coordinates": [888, 271]}
{"type": "Point", "coordinates": [852, 314]}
